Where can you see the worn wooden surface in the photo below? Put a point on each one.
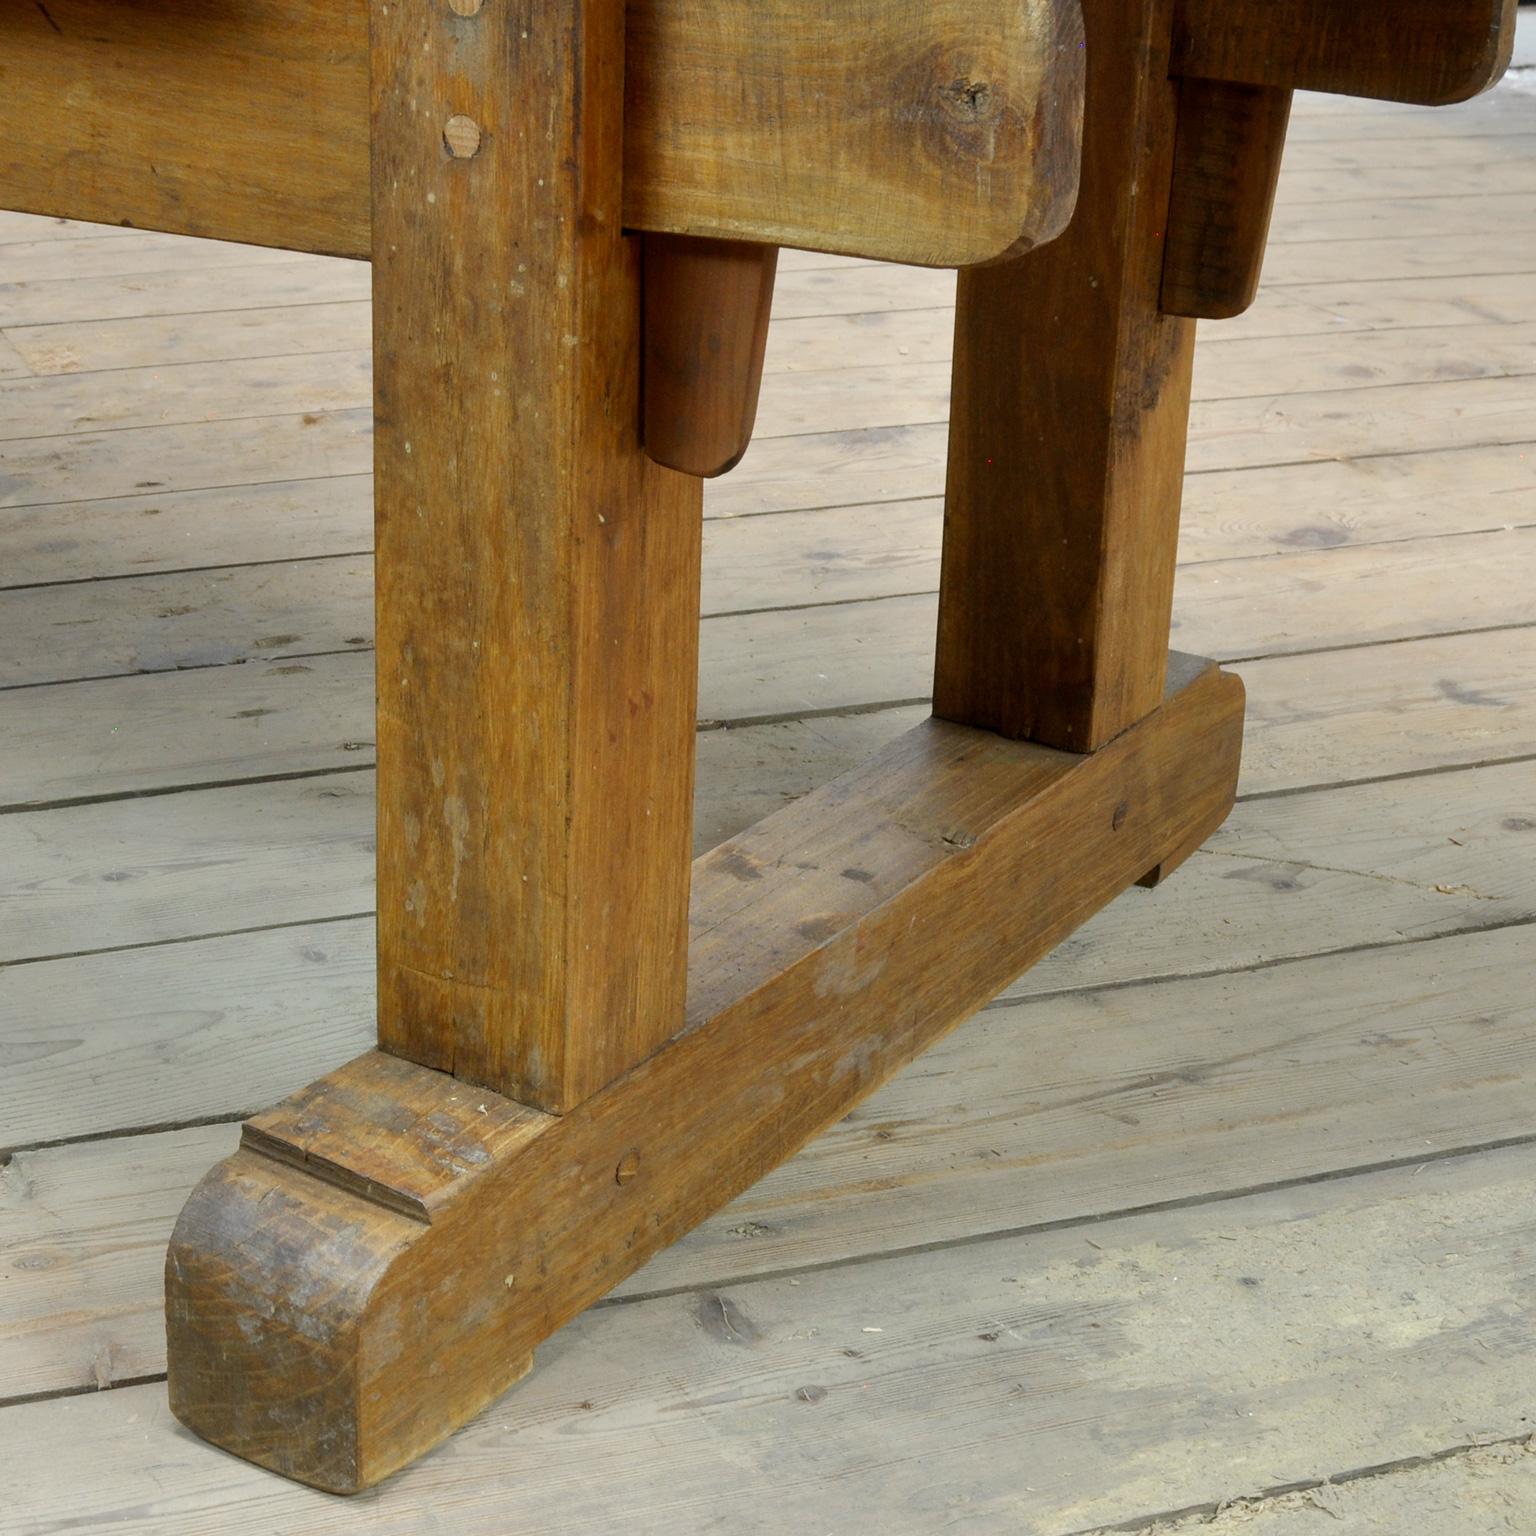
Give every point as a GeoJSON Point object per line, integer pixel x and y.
{"type": "Point", "coordinates": [942, 133]}
{"type": "Point", "coordinates": [537, 577]}
{"type": "Point", "coordinates": [312, 1330]}
{"type": "Point", "coordinates": [1365, 417]}
{"type": "Point", "coordinates": [245, 122]}
{"type": "Point", "coordinates": [1060, 1381]}
{"type": "Point", "coordinates": [1066, 442]}
{"type": "Point", "coordinates": [1471, 1492]}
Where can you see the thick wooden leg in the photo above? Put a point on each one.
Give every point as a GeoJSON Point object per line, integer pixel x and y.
{"type": "Point", "coordinates": [1066, 453]}
{"type": "Point", "coordinates": [1225, 169]}
{"type": "Point", "coordinates": [705, 329]}
{"type": "Point", "coordinates": [385, 1250]}
{"type": "Point", "coordinates": [537, 573]}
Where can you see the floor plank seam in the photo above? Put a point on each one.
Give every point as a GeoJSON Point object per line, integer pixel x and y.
{"type": "Point", "coordinates": [742, 722]}
{"type": "Point", "coordinates": [191, 666]}
{"type": "Point", "coordinates": [157, 791]}
{"type": "Point", "coordinates": [1286, 790]}
{"type": "Point", "coordinates": [1277, 962]}
{"type": "Point", "coordinates": [186, 490]}
{"type": "Point", "coordinates": [183, 314]}
{"type": "Point", "coordinates": [338, 413]}
{"type": "Point", "coordinates": [188, 938]}
{"type": "Point", "coordinates": [127, 1133]}
{"type": "Point", "coordinates": [24, 1399]}
{"type": "Point", "coordinates": [1091, 1219]}
{"type": "Point", "coordinates": [339, 556]}
{"type": "Point", "coordinates": [863, 370]}
{"type": "Point", "coordinates": [238, 565]}
{"type": "Point", "coordinates": [1170, 1522]}
{"type": "Point", "coordinates": [834, 506]}
{"type": "Point", "coordinates": [1363, 645]}
{"type": "Point", "coordinates": [1086, 989]}
{"type": "Point", "coordinates": [25, 807]}
{"type": "Point", "coordinates": [971, 1240]}
{"type": "Point", "coordinates": [1366, 282]}
{"type": "Point", "coordinates": [1384, 542]}
{"type": "Point", "coordinates": [171, 368]}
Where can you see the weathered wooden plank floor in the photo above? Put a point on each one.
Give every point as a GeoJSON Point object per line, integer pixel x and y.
{"type": "Point", "coordinates": [1224, 1206]}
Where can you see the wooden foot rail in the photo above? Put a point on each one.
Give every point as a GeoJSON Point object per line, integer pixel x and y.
{"type": "Point", "coordinates": [385, 1251]}
{"type": "Point", "coordinates": [586, 1043]}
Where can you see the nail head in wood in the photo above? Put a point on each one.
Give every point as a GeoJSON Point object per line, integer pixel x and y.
{"type": "Point", "coordinates": [461, 134]}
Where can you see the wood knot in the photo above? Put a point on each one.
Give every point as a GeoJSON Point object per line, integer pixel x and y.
{"type": "Point", "coordinates": [1121, 812]}
{"type": "Point", "coordinates": [462, 136]}
{"type": "Point", "coordinates": [969, 100]}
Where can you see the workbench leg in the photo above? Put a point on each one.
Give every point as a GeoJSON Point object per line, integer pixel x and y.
{"type": "Point", "coordinates": [564, 1086]}
{"type": "Point", "coordinates": [538, 575]}
{"type": "Point", "coordinates": [1067, 430]}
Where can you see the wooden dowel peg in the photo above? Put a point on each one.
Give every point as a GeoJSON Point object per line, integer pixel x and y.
{"type": "Point", "coordinates": [705, 327]}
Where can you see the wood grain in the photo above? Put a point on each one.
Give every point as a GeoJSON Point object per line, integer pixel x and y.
{"type": "Point", "coordinates": [705, 329]}
{"type": "Point", "coordinates": [242, 122]}
{"type": "Point", "coordinates": [1431, 52]}
{"type": "Point", "coordinates": [265, 989]}
{"type": "Point", "coordinates": [124, 736]}
{"type": "Point", "coordinates": [537, 575]}
{"type": "Point", "coordinates": [1135, 1358]}
{"type": "Point", "coordinates": [265, 1011]}
{"type": "Point", "coordinates": [1066, 441]}
{"type": "Point", "coordinates": [1200, 1084]}
{"type": "Point", "coordinates": [941, 133]}
{"type": "Point", "coordinates": [864, 549]}
{"type": "Point", "coordinates": [1226, 165]}
{"type": "Point", "coordinates": [936, 132]}
{"type": "Point", "coordinates": [791, 1019]}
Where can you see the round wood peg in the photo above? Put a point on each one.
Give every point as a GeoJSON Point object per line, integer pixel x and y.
{"type": "Point", "coordinates": [629, 1167]}
{"type": "Point", "coordinates": [462, 136]}
{"type": "Point", "coordinates": [465, 7]}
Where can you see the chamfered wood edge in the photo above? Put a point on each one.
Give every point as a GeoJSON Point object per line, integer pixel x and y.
{"type": "Point", "coordinates": [323, 1332]}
